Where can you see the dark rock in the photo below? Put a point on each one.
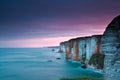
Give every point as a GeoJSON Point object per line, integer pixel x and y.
{"type": "Point", "coordinates": [49, 60]}
{"type": "Point", "coordinates": [53, 49]}
{"type": "Point", "coordinates": [84, 66]}
{"type": "Point", "coordinates": [58, 58]}
{"type": "Point", "coordinates": [111, 48]}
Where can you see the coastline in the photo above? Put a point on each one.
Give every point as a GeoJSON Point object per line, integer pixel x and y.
{"type": "Point", "coordinates": [90, 67]}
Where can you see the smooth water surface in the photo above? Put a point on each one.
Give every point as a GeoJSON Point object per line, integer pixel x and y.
{"type": "Point", "coordinates": [38, 64]}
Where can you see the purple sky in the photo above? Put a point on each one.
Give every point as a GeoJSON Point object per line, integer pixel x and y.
{"type": "Point", "coordinates": [38, 23]}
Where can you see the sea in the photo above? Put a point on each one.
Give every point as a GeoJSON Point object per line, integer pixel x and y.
{"type": "Point", "coordinates": [39, 64]}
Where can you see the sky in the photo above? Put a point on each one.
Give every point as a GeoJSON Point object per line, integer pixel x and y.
{"type": "Point", "coordinates": [41, 23]}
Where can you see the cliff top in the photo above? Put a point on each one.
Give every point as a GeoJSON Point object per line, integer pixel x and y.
{"type": "Point", "coordinates": [79, 38]}
{"type": "Point", "coordinates": [115, 23]}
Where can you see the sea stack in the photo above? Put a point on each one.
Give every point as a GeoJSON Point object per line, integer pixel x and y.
{"type": "Point", "coordinates": [111, 48]}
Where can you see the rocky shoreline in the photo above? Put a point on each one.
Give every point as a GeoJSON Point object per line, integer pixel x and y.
{"type": "Point", "coordinates": [101, 52]}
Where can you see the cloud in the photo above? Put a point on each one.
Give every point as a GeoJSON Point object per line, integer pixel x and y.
{"type": "Point", "coordinates": [28, 19]}
{"type": "Point", "coordinates": [34, 42]}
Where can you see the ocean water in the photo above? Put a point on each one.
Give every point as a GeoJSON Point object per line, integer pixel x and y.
{"type": "Point", "coordinates": [39, 64]}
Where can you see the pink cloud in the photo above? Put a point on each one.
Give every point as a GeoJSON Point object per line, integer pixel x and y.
{"type": "Point", "coordinates": [35, 42]}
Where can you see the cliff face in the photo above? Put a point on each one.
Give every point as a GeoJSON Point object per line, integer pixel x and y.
{"type": "Point", "coordinates": [89, 46]}
{"type": "Point", "coordinates": [111, 49]}
{"type": "Point", "coordinates": [92, 50]}
{"type": "Point", "coordinates": [82, 48]}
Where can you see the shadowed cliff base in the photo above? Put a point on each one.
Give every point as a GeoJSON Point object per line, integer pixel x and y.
{"type": "Point", "coordinates": [97, 60]}
{"type": "Point", "coordinates": [84, 78]}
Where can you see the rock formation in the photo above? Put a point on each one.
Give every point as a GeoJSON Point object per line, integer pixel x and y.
{"type": "Point", "coordinates": [92, 49]}
{"type": "Point", "coordinates": [82, 48]}
{"type": "Point", "coordinates": [111, 49]}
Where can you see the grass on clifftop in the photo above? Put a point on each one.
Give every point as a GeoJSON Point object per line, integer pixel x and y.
{"type": "Point", "coordinates": [80, 79]}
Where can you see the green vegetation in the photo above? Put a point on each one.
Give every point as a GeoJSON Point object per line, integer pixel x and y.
{"type": "Point", "coordinates": [97, 60]}
{"type": "Point", "coordinates": [85, 78]}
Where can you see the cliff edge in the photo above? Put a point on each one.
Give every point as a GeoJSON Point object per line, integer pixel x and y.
{"type": "Point", "coordinates": [87, 50]}
{"type": "Point", "coordinates": [111, 48]}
